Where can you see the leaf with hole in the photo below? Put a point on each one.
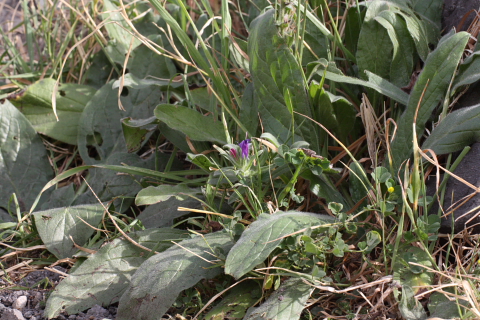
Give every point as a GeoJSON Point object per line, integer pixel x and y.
{"type": "Point", "coordinates": [36, 104]}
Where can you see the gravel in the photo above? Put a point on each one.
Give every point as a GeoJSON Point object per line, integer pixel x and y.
{"type": "Point", "coordinates": [30, 304]}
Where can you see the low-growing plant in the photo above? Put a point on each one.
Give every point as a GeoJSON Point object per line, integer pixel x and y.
{"type": "Point", "coordinates": [295, 186]}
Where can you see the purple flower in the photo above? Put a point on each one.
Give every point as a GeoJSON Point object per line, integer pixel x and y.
{"type": "Point", "coordinates": [245, 146]}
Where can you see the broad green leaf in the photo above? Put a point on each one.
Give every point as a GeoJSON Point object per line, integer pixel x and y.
{"type": "Point", "coordinates": [24, 166]}
{"type": "Point", "coordinates": [409, 306]}
{"type": "Point", "coordinates": [414, 276]}
{"type": "Point", "coordinates": [322, 187]}
{"type": "Point", "coordinates": [135, 82]}
{"type": "Point", "coordinates": [135, 136]}
{"type": "Point", "coordinates": [61, 197]}
{"type": "Point", "coordinates": [62, 228]}
{"type": "Point", "coordinates": [192, 123]}
{"type": "Point", "coordinates": [458, 130]}
{"type": "Point", "coordinates": [374, 51]}
{"type": "Point", "coordinates": [430, 12]}
{"type": "Point", "coordinates": [117, 28]}
{"type": "Point", "coordinates": [285, 303]}
{"type": "Point", "coordinates": [151, 195]}
{"type": "Point", "coordinates": [277, 74]}
{"type": "Point", "coordinates": [441, 306]}
{"type": "Point", "coordinates": [354, 19]}
{"type": "Point", "coordinates": [249, 110]}
{"type": "Point", "coordinates": [235, 303]}
{"type": "Point", "coordinates": [36, 104]}
{"type": "Point", "coordinates": [403, 48]}
{"type": "Point", "coordinates": [336, 113]}
{"type": "Point", "coordinates": [435, 78]}
{"type": "Point", "coordinates": [163, 214]}
{"type": "Point", "coordinates": [105, 275]}
{"type": "Point", "coordinates": [262, 237]}
{"type": "Point", "coordinates": [157, 283]}
{"type": "Point", "coordinates": [100, 123]}
{"type": "Point", "coordinates": [374, 81]}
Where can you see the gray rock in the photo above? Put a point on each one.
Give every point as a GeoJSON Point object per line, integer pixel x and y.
{"type": "Point", "coordinates": [468, 214]}
{"type": "Point", "coordinates": [11, 314]}
{"type": "Point", "coordinates": [20, 303]}
{"type": "Point", "coordinates": [455, 10]}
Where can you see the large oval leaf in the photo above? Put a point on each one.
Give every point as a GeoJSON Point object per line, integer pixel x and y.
{"type": "Point", "coordinates": [260, 239]}
{"type": "Point", "coordinates": [285, 303]}
{"type": "Point", "coordinates": [36, 104]}
{"type": "Point", "coordinates": [57, 227]}
{"type": "Point", "coordinates": [24, 166]}
{"type": "Point", "coordinates": [105, 275]}
{"type": "Point", "coordinates": [192, 123]}
{"type": "Point", "coordinates": [157, 283]}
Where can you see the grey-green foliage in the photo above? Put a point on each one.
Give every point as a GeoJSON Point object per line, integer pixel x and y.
{"type": "Point", "coordinates": [393, 33]}
{"type": "Point", "coordinates": [458, 130]}
{"type": "Point", "coordinates": [36, 104]}
{"type": "Point", "coordinates": [429, 90]}
{"type": "Point", "coordinates": [106, 274]}
{"type": "Point", "coordinates": [188, 121]}
{"type": "Point", "coordinates": [157, 283]}
{"type": "Point", "coordinates": [24, 166]}
{"type": "Point", "coordinates": [287, 302]}
{"type": "Point", "coordinates": [62, 228]}
{"type": "Point", "coordinates": [264, 235]}
{"type": "Point", "coordinates": [279, 83]}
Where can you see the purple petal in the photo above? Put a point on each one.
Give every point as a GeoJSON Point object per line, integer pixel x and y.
{"type": "Point", "coordinates": [245, 146]}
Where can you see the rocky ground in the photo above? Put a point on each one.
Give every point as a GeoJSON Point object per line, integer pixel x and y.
{"type": "Point", "coordinates": [29, 301]}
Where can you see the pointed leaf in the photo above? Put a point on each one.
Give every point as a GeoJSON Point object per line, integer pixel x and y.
{"type": "Point", "coordinates": [192, 123]}
{"type": "Point", "coordinates": [468, 72]}
{"type": "Point", "coordinates": [285, 303]}
{"type": "Point", "coordinates": [374, 81]}
{"type": "Point", "coordinates": [458, 130]}
{"type": "Point", "coordinates": [24, 166]}
{"type": "Point", "coordinates": [157, 283]}
{"type": "Point", "coordinates": [151, 195]}
{"type": "Point", "coordinates": [260, 239]}
{"type": "Point", "coordinates": [105, 275]}
{"type": "Point", "coordinates": [434, 80]}
{"type": "Point", "coordinates": [56, 226]}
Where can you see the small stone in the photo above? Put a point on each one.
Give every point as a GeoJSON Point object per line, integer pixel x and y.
{"type": "Point", "coordinates": [28, 314]}
{"type": "Point", "coordinates": [20, 303]}
{"type": "Point", "coordinates": [11, 314]}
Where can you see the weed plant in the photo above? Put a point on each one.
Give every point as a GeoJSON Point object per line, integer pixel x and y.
{"type": "Point", "coordinates": [243, 159]}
